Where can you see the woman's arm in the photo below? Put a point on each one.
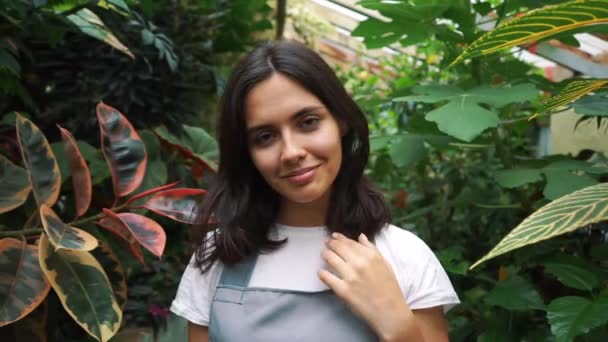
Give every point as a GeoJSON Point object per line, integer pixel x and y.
{"type": "Point", "coordinates": [368, 286]}
{"type": "Point", "coordinates": [197, 333]}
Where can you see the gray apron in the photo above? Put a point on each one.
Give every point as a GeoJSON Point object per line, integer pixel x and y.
{"type": "Point", "coordinates": [241, 313]}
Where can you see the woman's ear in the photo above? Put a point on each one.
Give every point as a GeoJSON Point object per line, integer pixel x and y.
{"type": "Point", "coordinates": [343, 128]}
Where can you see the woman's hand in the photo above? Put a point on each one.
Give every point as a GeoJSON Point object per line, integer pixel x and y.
{"type": "Point", "coordinates": [367, 284]}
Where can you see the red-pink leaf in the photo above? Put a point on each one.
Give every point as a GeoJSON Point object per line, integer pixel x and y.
{"type": "Point", "coordinates": [123, 150]}
{"type": "Point", "coordinates": [81, 176]}
{"type": "Point", "coordinates": [119, 230]}
{"type": "Point", "coordinates": [152, 191]}
{"type": "Point", "coordinates": [178, 204]}
{"type": "Point", "coordinates": [148, 232]}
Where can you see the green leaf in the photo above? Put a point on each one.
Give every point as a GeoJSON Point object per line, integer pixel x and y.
{"type": "Point", "coordinates": [560, 183]}
{"type": "Point", "coordinates": [9, 63]}
{"type": "Point", "coordinates": [90, 24]}
{"type": "Point", "coordinates": [595, 104]}
{"type": "Point", "coordinates": [573, 275]}
{"type": "Point", "coordinates": [40, 162]}
{"type": "Point", "coordinates": [571, 92]}
{"type": "Point", "coordinates": [515, 293]}
{"type": "Point", "coordinates": [63, 236]}
{"type": "Point", "coordinates": [194, 144]}
{"type": "Point", "coordinates": [514, 178]}
{"type": "Point", "coordinates": [407, 149]}
{"type": "Point", "coordinates": [23, 285]}
{"type": "Point", "coordinates": [464, 120]}
{"type": "Point", "coordinates": [15, 185]}
{"type": "Point", "coordinates": [573, 316]}
{"type": "Point", "coordinates": [578, 209]}
{"type": "Point", "coordinates": [113, 268]}
{"type": "Point", "coordinates": [83, 289]}
{"type": "Point", "coordinates": [536, 25]}
{"type": "Point", "coordinates": [156, 169]}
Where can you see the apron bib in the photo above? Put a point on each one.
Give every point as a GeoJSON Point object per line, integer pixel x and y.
{"type": "Point", "coordinates": [242, 313]}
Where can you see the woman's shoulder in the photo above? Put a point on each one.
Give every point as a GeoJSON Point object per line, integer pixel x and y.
{"type": "Point", "coordinates": [394, 238]}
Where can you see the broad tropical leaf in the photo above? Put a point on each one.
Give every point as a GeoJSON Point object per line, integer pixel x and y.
{"type": "Point", "coordinates": [33, 327]}
{"type": "Point", "coordinates": [90, 24]}
{"type": "Point", "coordinates": [573, 275]}
{"type": "Point", "coordinates": [81, 176]}
{"type": "Point", "coordinates": [83, 288]}
{"type": "Point", "coordinates": [114, 271]}
{"type": "Point", "coordinates": [63, 236]}
{"type": "Point", "coordinates": [149, 233]}
{"type": "Point", "coordinates": [152, 191]}
{"type": "Point", "coordinates": [15, 185]}
{"type": "Point", "coordinates": [573, 316]}
{"type": "Point", "coordinates": [178, 204]}
{"type": "Point", "coordinates": [536, 25]}
{"type": "Point", "coordinates": [22, 284]}
{"type": "Point", "coordinates": [123, 149]}
{"type": "Point", "coordinates": [572, 92]}
{"type": "Point", "coordinates": [40, 162]}
{"type": "Point", "coordinates": [195, 144]}
{"type": "Point", "coordinates": [515, 293]}
{"type": "Point", "coordinates": [575, 210]}
{"type": "Point", "coordinates": [118, 229]}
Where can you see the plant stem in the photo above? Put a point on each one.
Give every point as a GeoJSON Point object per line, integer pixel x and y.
{"type": "Point", "coordinates": [17, 233]}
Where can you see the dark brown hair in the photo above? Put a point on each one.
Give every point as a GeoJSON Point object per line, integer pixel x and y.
{"type": "Point", "coordinates": [240, 207]}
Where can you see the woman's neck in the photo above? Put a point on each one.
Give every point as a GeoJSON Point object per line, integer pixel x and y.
{"type": "Point", "coordinates": [310, 214]}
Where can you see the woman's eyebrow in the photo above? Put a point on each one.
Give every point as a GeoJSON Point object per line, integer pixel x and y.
{"type": "Point", "coordinates": [295, 116]}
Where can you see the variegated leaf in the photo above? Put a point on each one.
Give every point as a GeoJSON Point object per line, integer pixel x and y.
{"type": "Point", "coordinates": [538, 24]}
{"type": "Point", "coordinates": [178, 204]}
{"type": "Point", "coordinates": [119, 230]}
{"type": "Point", "coordinates": [23, 286]}
{"type": "Point", "coordinates": [573, 91]}
{"type": "Point", "coordinates": [81, 176]}
{"type": "Point", "coordinates": [90, 24]}
{"type": "Point", "coordinates": [151, 192]}
{"type": "Point", "coordinates": [83, 288]}
{"type": "Point", "coordinates": [116, 274]}
{"type": "Point", "coordinates": [123, 149]}
{"type": "Point", "coordinates": [149, 233]}
{"type": "Point", "coordinates": [63, 236]}
{"type": "Point", "coordinates": [40, 162]}
{"type": "Point", "coordinates": [15, 185]}
{"type": "Point", "coordinates": [568, 213]}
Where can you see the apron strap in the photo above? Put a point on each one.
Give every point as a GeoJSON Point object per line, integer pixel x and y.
{"type": "Point", "coordinates": [239, 274]}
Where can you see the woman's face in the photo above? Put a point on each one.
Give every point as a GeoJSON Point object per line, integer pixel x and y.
{"type": "Point", "coordinates": [294, 141]}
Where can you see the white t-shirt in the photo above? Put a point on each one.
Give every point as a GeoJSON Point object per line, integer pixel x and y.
{"type": "Point", "coordinates": [295, 266]}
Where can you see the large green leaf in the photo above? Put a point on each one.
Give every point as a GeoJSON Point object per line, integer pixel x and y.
{"type": "Point", "coordinates": [573, 275]}
{"type": "Point", "coordinates": [462, 116]}
{"type": "Point", "coordinates": [515, 293]}
{"type": "Point", "coordinates": [83, 288]}
{"type": "Point", "coordinates": [15, 185]}
{"type": "Point", "coordinates": [571, 92]}
{"type": "Point", "coordinates": [156, 169]}
{"type": "Point", "coordinates": [90, 24]}
{"type": "Point", "coordinates": [81, 176]}
{"type": "Point", "coordinates": [40, 162]}
{"type": "Point", "coordinates": [63, 236]}
{"type": "Point", "coordinates": [575, 210]}
{"type": "Point", "coordinates": [596, 104]}
{"type": "Point", "coordinates": [536, 25]}
{"type": "Point", "coordinates": [123, 148]}
{"type": "Point", "coordinates": [22, 284]}
{"type": "Point", "coordinates": [573, 316]}
{"type": "Point", "coordinates": [407, 149]}
{"type": "Point", "coordinates": [114, 271]}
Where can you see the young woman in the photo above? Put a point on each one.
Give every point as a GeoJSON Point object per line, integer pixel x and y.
{"type": "Point", "coordinates": [298, 244]}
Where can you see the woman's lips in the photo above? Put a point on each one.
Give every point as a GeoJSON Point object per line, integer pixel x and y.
{"type": "Point", "coordinates": [302, 177]}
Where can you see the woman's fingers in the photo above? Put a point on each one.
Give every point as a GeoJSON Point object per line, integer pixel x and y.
{"type": "Point", "coordinates": [337, 263]}
{"type": "Point", "coordinates": [347, 249]}
{"type": "Point", "coordinates": [334, 283]}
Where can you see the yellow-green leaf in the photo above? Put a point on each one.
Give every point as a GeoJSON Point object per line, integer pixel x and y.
{"type": "Point", "coordinates": [116, 274]}
{"type": "Point", "coordinates": [575, 210]}
{"type": "Point", "coordinates": [573, 91]}
{"type": "Point", "coordinates": [40, 162]}
{"type": "Point", "coordinates": [15, 185]}
{"type": "Point", "coordinates": [90, 24]}
{"type": "Point", "coordinates": [538, 24]}
{"type": "Point", "coordinates": [83, 288]}
{"type": "Point", "coordinates": [22, 284]}
{"type": "Point", "coordinates": [63, 236]}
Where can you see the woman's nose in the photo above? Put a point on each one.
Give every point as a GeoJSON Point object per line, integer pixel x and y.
{"type": "Point", "coordinates": [292, 150]}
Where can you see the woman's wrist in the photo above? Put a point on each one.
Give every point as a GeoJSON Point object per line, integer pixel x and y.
{"type": "Point", "coordinates": [399, 326]}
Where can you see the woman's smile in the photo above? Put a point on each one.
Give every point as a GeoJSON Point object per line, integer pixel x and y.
{"type": "Point", "coordinates": [302, 176]}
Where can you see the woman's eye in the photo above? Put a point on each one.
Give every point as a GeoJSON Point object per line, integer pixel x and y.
{"type": "Point", "coordinates": [262, 139]}
{"type": "Point", "coordinates": [310, 123]}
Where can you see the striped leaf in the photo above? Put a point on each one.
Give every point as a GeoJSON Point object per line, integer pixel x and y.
{"type": "Point", "coordinates": [83, 288]}
{"type": "Point", "coordinates": [571, 92]}
{"type": "Point", "coordinates": [123, 150]}
{"type": "Point", "coordinates": [81, 176]}
{"type": "Point", "coordinates": [22, 284]}
{"type": "Point", "coordinates": [575, 210]}
{"type": "Point", "coordinates": [538, 24]}
{"type": "Point", "coordinates": [146, 231]}
{"type": "Point", "coordinates": [40, 162]}
{"type": "Point", "coordinates": [15, 185]}
{"type": "Point", "coordinates": [63, 236]}
{"type": "Point", "coordinates": [178, 204]}
{"type": "Point", "coordinates": [114, 270]}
